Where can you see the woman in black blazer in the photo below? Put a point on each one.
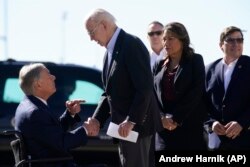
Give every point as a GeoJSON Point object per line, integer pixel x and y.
{"type": "Point", "coordinates": [179, 83]}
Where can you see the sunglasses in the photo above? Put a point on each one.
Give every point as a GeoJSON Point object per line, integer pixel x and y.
{"type": "Point", "coordinates": [234, 40]}
{"type": "Point", "coordinates": [152, 33]}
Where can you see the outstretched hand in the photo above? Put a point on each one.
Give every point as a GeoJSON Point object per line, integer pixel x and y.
{"type": "Point", "coordinates": [93, 126]}
{"type": "Point", "coordinates": [73, 106]}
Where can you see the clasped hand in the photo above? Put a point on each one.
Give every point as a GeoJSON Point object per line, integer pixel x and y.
{"type": "Point", "coordinates": [231, 129]}
{"type": "Point", "coordinates": [92, 126]}
{"type": "Point", "coordinates": [168, 123]}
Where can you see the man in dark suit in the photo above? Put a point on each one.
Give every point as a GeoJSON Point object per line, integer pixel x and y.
{"type": "Point", "coordinates": [228, 93]}
{"type": "Point", "coordinates": [44, 134]}
{"type": "Point", "coordinates": [128, 85]}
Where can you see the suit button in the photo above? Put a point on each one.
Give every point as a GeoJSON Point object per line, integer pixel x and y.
{"type": "Point", "coordinates": [223, 106]}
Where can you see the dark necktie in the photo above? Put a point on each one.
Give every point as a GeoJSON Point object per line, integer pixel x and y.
{"type": "Point", "coordinates": [105, 69]}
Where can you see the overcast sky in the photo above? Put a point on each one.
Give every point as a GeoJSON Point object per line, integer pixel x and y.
{"type": "Point", "coordinates": [53, 30]}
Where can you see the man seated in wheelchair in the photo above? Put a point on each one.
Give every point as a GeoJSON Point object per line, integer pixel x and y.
{"type": "Point", "coordinates": [44, 134]}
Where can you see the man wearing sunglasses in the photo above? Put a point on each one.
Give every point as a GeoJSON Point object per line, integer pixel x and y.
{"type": "Point", "coordinates": [155, 31]}
{"type": "Point", "coordinates": [228, 94]}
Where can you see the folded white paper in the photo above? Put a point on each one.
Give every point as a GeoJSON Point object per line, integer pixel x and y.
{"type": "Point", "coordinates": [213, 141]}
{"type": "Point", "coordinates": [113, 132]}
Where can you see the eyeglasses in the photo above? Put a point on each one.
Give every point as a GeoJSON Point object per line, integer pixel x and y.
{"type": "Point", "coordinates": [152, 33]}
{"type": "Point", "coordinates": [234, 40]}
{"type": "Point", "coordinates": [92, 32]}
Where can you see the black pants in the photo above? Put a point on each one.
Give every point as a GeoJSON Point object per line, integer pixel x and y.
{"type": "Point", "coordinates": [135, 154]}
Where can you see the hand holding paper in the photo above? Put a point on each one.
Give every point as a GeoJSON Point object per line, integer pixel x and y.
{"type": "Point", "coordinates": [124, 128]}
{"type": "Point", "coordinates": [113, 132]}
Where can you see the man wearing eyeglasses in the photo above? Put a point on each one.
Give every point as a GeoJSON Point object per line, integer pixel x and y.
{"type": "Point", "coordinates": [128, 87]}
{"type": "Point", "coordinates": [228, 94]}
{"type": "Point", "coordinates": [155, 31]}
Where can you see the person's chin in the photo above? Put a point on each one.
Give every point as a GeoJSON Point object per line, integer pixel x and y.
{"type": "Point", "coordinates": [99, 43]}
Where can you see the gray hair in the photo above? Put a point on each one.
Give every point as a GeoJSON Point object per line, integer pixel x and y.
{"type": "Point", "coordinates": [28, 74]}
{"type": "Point", "coordinates": [99, 15]}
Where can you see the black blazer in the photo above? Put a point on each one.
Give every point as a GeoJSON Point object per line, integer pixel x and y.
{"type": "Point", "coordinates": [129, 87]}
{"type": "Point", "coordinates": [45, 135]}
{"type": "Point", "coordinates": [188, 108]}
{"type": "Point", "coordinates": [232, 105]}
{"type": "Point", "coordinates": [189, 89]}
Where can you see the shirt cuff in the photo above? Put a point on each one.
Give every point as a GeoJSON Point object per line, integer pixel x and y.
{"type": "Point", "coordinates": [127, 118]}
{"type": "Point", "coordinates": [86, 131]}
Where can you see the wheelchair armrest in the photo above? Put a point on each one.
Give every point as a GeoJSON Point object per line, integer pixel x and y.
{"type": "Point", "coordinates": [19, 146]}
{"type": "Point", "coordinates": [46, 160]}
{"type": "Point", "coordinates": [12, 132]}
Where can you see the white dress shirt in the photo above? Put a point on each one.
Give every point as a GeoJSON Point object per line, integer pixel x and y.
{"type": "Point", "coordinates": [154, 57]}
{"type": "Point", "coordinates": [213, 139]}
{"type": "Point", "coordinates": [227, 72]}
{"type": "Point", "coordinates": [44, 101]}
{"type": "Point", "coordinates": [111, 45]}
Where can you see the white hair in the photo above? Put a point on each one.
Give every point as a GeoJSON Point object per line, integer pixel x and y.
{"type": "Point", "coordinates": [98, 15]}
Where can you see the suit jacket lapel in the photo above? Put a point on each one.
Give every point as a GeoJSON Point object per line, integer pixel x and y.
{"type": "Point", "coordinates": [38, 103]}
{"type": "Point", "coordinates": [182, 65]}
{"type": "Point", "coordinates": [219, 73]}
{"type": "Point", "coordinates": [115, 55]}
{"type": "Point", "coordinates": [43, 107]}
{"type": "Point", "coordinates": [112, 64]}
{"type": "Point", "coordinates": [105, 69]}
{"type": "Point", "coordinates": [160, 76]}
{"type": "Point", "coordinates": [178, 72]}
{"type": "Point", "coordinates": [235, 75]}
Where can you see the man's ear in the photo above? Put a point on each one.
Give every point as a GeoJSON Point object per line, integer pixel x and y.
{"type": "Point", "coordinates": [36, 84]}
{"type": "Point", "coordinates": [221, 46]}
{"type": "Point", "coordinates": [104, 24]}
